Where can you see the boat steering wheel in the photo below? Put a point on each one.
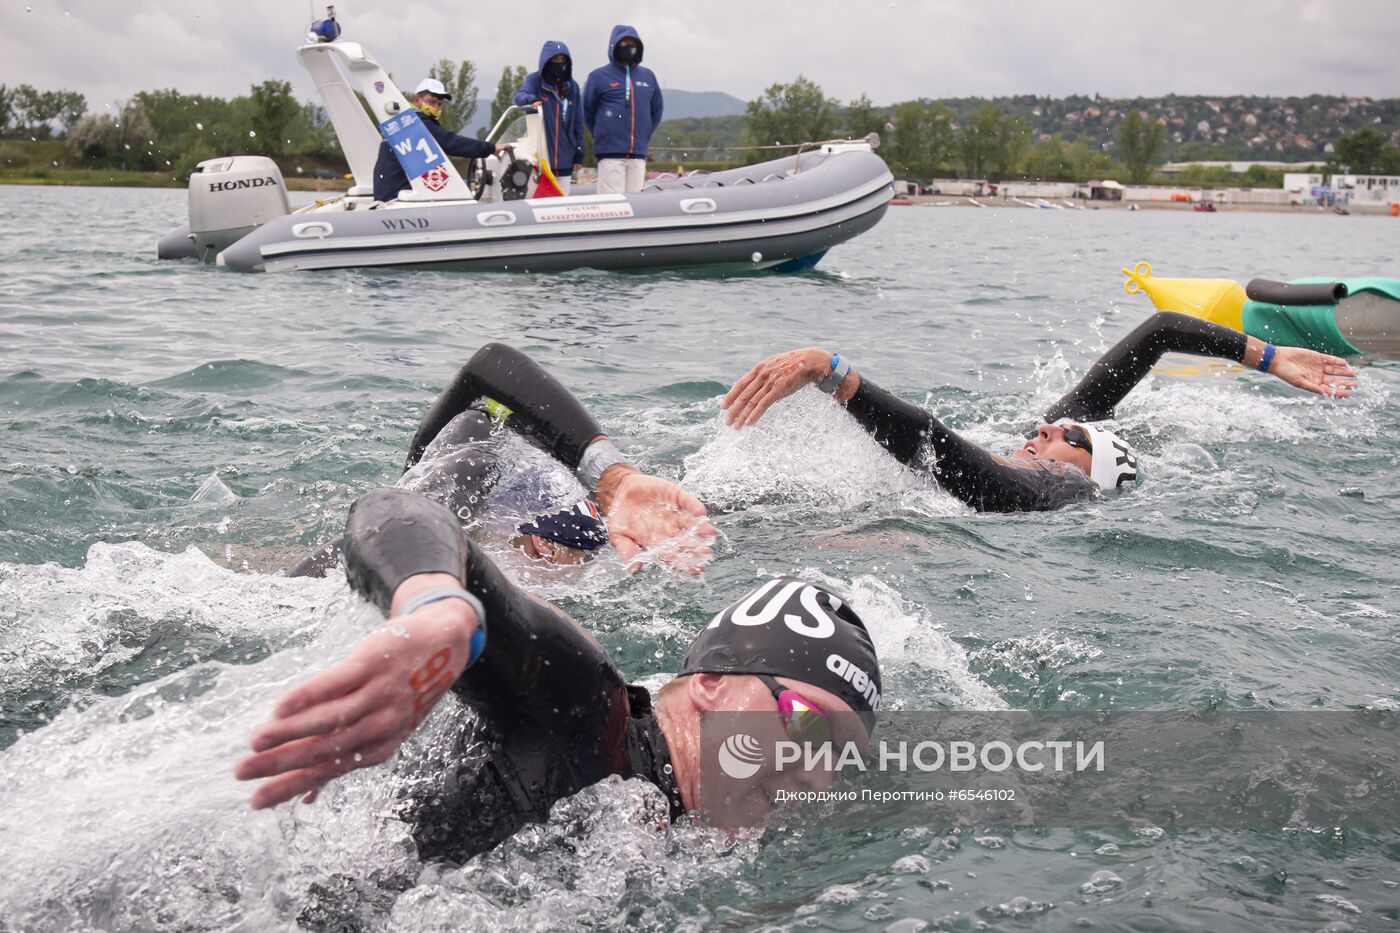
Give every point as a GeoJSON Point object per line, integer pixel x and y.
{"type": "Point", "coordinates": [478, 177]}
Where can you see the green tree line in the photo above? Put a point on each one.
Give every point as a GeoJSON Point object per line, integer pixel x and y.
{"type": "Point", "coordinates": [920, 139]}
{"type": "Point", "coordinates": [924, 139]}
{"type": "Point", "coordinates": [29, 113]}
{"type": "Point", "coordinates": [169, 130]}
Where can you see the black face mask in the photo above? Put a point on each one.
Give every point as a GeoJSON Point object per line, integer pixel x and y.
{"type": "Point", "coordinates": [628, 54]}
{"type": "Point", "coordinates": [556, 72]}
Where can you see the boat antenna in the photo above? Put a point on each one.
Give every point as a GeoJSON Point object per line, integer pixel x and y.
{"type": "Point", "coordinates": [325, 30]}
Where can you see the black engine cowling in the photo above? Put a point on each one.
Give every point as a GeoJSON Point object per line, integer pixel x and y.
{"type": "Point", "coordinates": [515, 180]}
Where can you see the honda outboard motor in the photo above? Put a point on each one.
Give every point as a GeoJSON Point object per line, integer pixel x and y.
{"type": "Point", "coordinates": [230, 198]}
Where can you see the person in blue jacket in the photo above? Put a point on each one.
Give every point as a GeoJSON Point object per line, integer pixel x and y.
{"type": "Point", "coordinates": [389, 177]}
{"type": "Point", "coordinates": [553, 89]}
{"type": "Point", "coordinates": [622, 106]}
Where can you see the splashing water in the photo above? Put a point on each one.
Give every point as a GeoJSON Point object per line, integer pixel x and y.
{"type": "Point", "coordinates": [1250, 569]}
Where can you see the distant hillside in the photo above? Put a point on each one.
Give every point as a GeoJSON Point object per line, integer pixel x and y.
{"type": "Point", "coordinates": [1283, 129]}
{"type": "Point", "coordinates": [1270, 129]}
{"type": "Point", "coordinates": [683, 105]}
{"type": "Point", "coordinates": [680, 105]}
{"type": "Point", "coordinates": [1289, 129]}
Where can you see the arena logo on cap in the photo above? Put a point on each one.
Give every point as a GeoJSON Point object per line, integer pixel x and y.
{"type": "Point", "coordinates": [857, 677]}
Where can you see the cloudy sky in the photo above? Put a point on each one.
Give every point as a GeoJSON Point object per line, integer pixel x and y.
{"type": "Point", "coordinates": [891, 49]}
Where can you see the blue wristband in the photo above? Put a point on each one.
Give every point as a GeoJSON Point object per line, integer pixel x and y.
{"type": "Point", "coordinates": [839, 369]}
{"type": "Point", "coordinates": [1267, 357]}
{"type": "Point", "coordinates": [435, 593]}
{"type": "Point", "coordinates": [478, 642]}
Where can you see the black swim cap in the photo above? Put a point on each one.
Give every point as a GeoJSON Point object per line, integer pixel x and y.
{"type": "Point", "coordinates": [791, 628]}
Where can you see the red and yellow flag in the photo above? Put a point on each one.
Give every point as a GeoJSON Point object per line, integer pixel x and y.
{"type": "Point", "coordinates": [548, 185]}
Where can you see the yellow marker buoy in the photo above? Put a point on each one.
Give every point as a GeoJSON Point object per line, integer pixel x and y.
{"type": "Point", "coordinates": [1220, 301]}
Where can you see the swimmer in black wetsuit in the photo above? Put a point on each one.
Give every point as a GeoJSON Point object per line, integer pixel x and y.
{"type": "Point", "coordinates": [555, 715]}
{"type": "Point", "coordinates": [454, 458]}
{"type": "Point", "coordinates": [1067, 459]}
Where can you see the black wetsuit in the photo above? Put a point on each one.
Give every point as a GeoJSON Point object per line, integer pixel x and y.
{"type": "Point", "coordinates": [453, 456]}
{"type": "Point", "coordinates": [554, 714]}
{"type": "Point", "coordinates": [996, 484]}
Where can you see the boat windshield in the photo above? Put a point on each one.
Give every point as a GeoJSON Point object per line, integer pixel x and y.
{"type": "Point", "coordinates": [513, 129]}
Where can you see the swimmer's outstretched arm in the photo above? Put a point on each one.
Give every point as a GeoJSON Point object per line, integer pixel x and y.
{"type": "Point", "coordinates": [462, 477]}
{"type": "Point", "coordinates": [643, 512]}
{"type": "Point", "coordinates": [356, 713]}
{"type": "Point", "coordinates": [912, 435]}
{"type": "Point", "coordinates": [538, 664]}
{"type": "Point", "coordinates": [1129, 360]}
{"type": "Point", "coordinates": [543, 410]}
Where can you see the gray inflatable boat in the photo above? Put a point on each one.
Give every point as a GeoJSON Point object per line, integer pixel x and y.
{"type": "Point", "coordinates": [784, 214]}
{"type": "Point", "coordinates": [770, 215]}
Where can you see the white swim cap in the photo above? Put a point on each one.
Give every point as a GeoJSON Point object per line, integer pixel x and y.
{"type": "Point", "coordinates": [1115, 461]}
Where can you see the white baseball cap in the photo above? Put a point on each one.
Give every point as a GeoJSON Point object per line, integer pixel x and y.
{"type": "Point", "coordinates": [432, 86]}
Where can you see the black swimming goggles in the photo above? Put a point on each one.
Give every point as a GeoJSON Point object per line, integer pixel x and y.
{"type": "Point", "coordinates": [1076, 436]}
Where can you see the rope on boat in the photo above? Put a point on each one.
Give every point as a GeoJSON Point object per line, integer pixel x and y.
{"type": "Point", "coordinates": [873, 139]}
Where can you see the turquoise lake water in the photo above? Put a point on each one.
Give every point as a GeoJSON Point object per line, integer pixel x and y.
{"type": "Point", "coordinates": [171, 435]}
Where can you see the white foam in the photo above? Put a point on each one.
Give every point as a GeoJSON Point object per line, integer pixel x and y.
{"type": "Point", "coordinates": [910, 641]}
{"type": "Point", "coordinates": [59, 624]}
{"type": "Point", "coordinates": [600, 853]}
{"type": "Point", "coordinates": [805, 449]}
{"type": "Point", "coordinates": [154, 829]}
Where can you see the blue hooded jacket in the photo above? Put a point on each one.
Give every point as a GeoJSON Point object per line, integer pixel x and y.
{"type": "Point", "coordinates": [563, 120]}
{"type": "Point", "coordinates": [621, 103]}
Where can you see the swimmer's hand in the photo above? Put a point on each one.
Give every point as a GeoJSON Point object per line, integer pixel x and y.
{"type": "Point", "coordinates": [1313, 371]}
{"type": "Point", "coordinates": [356, 713]}
{"type": "Point", "coordinates": [776, 378]}
{"type": "Point", "coordinates": [650, 513]}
